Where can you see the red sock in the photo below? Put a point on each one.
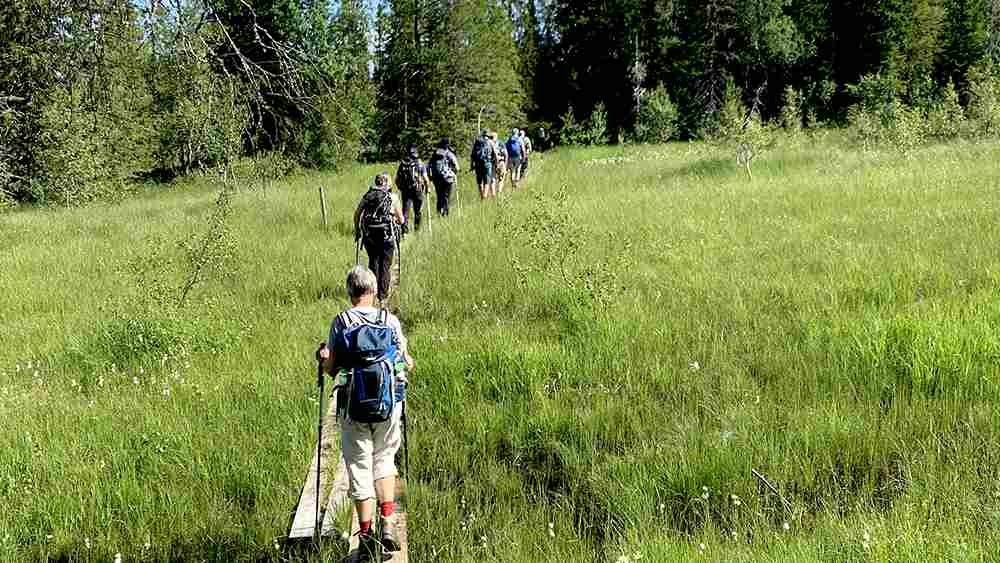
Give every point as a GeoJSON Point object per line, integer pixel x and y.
{"type": "Point", "coordinates": [365, 527]}
{"type": "Point", "coordinates": [387, 508]}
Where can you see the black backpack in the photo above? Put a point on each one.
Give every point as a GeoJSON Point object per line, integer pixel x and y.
{"type": "Point", "coordinates": [408, 175]}
{"type": "Point", "coordinates": [441, 169]}
{"type": "Point", "coordinates": [376, 215]}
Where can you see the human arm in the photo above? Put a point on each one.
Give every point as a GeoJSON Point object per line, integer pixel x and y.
{"type": "Point", "coordinates": [401, 342]}
{"type": "Point", "coordinates": [357, 223]}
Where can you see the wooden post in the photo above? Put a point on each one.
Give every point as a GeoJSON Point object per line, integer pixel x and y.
{"type": "Point", "coordinates": [322, 205]}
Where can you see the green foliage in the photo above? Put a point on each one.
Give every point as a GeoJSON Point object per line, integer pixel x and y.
{"type": "Point", "coordinates": [791, 111]}
{"type": "Point", "coordinates": [946, 118]}
{"type": "Point", "coordinates": [984, 101]}
{"type": "Point", "coordinates": [757, 327]}
{"type": "Point", "coordinates": [591, 132]}
{"type": "Point", "coordinates": [657, 118]}
{"type": "Point", "coordinates": [881, 119]}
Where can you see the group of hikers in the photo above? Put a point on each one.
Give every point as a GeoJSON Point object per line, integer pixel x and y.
{"type": "Point", "coordinates": [493, 161]}
{"type": "Point", "coordinates": [366, 350]}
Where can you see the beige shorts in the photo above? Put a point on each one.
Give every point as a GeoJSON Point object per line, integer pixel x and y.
{"type": "Point", "coordinates": [369, 452]}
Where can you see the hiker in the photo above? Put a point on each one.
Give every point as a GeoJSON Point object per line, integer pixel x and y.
{"type": "Point", "coordinates": [444, 173]}
{"type": "Point", "coordinates": [412, 182]}
{"type": "Point", "coordinates": [482, 161]}
{"type": "Point", "coordinates": [377, 222]}
{"type": "Point", "coordinates": [515, 152]}
{"type": "Point", "coordinates": [501, 160]}
{"type": "Point", "coordinates": [526, 144]}
{"type": "Point", "coordinates": [370, 436]}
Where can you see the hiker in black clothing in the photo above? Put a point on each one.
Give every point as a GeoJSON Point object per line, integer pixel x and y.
{"type": "Point", "coordinates": [377, 222]}
{"type": "Point", "coordinates": [412, 181]}
{"type": "Point", "coordinates": [444, 173]}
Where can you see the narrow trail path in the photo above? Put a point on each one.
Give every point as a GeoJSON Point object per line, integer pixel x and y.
{"type": "Point", "coordinates": [332, 494]}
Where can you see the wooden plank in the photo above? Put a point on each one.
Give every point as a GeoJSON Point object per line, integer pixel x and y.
{"type": "Point", "coordinates": [304, 522]}
{"type": "Point", "coordinates": [336, 499]}
{"type": "Point", "coordinates": [403, 555]}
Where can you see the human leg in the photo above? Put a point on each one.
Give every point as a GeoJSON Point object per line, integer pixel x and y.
{"type": "Point", "coordinates": [417, 199]}
{"type": "Point", "coordinates": [357, 447]}
{"type": "Point", "coordinates": [407, 197]}
{"type": "Point", "coordinates": [443, 190]}
{"type": "Point", "coordinates": [387, 438]}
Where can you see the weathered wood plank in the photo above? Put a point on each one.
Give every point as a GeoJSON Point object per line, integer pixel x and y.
{"type": "Point", "coordinates": [304, 522]}
{"type": "Point", "coordinates": [403, 555]}
{"type": "Point", "coordinates": [337, 497]}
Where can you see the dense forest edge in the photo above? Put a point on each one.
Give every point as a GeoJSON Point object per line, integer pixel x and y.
{"type": "Point", "coordinates": [101, 97]}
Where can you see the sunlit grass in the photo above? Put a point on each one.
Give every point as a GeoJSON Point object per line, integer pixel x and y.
{"type": "Point", "coordinates": [831, 324]}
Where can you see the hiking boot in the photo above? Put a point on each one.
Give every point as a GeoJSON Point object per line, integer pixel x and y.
{"type": "Point", "coordinates": [367, 547]}
{"type": "Point", "coordinates": [390, 541]}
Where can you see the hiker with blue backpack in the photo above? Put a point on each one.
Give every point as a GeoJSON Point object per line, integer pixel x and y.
{"type": "Point", "coordinates": [368, 355]}
{"type": "Point", "coordinates": [444, 173]}
{"type": "Point", "coordinates": [483, 161]}
{"type": "Point", "coordinates": [515, 152]}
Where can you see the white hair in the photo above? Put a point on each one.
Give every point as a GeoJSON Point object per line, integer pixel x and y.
{"type": "Point", "coordinates": [360, 281]}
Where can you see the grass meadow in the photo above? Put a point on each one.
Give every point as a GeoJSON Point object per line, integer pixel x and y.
{"type": "Point", "coordinates": [603, 359]}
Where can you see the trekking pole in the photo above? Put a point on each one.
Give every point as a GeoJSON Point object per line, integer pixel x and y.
{"type": "Point", "coordinates": [406, 449]}
{"type": "Point", "coordinates": [427, 209]}
{"type": "Point", "coordinates": [319, 445]}
{"type": "Point", "coordinates": [357, 252]}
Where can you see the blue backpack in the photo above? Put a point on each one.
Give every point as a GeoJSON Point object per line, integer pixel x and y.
{"type": "Point", "coordinates": [367, 351]}
{"type": "Point", "coordinates": [514, 147]}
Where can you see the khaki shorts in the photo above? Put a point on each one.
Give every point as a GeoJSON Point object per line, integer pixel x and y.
{"type": "Point", "coordinates": [370, 452]}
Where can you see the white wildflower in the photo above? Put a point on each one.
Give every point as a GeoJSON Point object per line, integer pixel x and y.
{"type": "Point", "coordinates": [695, 366]}
{"type": "Point", "coordinates": [118, 558]}
{"type": "Point", "coordinates": [786, 526]}
{"type": "Point", "coordinates": [135, 381]}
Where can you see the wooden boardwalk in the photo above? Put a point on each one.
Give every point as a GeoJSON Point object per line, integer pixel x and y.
{"type": "Point", "coordinates": [333, 495]}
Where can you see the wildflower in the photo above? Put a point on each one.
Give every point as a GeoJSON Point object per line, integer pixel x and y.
{"type": "Point", "coordinates": [695, 366]}
{"type": "Point", "coordinates": [48, 536]}
{"type": "Point", "coordinates": [118, 558]}
{"type": "Point", "coordinates": [135, 381]}
{"type": "Point", "coordinates": [701, 547]}
{"type": "Point", "coordinates": [786, 526]}
{"type": "Point", "coordinates": [141, 371]}
{"type": "Point", "coordinates": [29, 364]}
{"type": "Point", "coordinates": [86, 542]}
{"type": "Point", "coordinates": [166, 391]}
{"type": "Point", "coordinates": [552, 532]}
{"type": "Point", "coordinates": [146, 545]}
{"type": "Point", "coordinates": [662, 507]}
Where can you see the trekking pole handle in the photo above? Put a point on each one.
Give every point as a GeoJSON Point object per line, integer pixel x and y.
{"type": "Point", "coordinates": [322, 354]}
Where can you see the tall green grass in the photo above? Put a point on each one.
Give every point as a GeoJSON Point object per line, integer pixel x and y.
{"type": "Point", "coordinates": [603, 357]}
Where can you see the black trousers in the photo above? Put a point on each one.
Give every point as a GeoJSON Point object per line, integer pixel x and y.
{"type": "Point", "coordinates": [413, 199]}
{"type": "Point", "coordinates": [444, 190]}
{"type": "Point", "coordinates": [380, 254]}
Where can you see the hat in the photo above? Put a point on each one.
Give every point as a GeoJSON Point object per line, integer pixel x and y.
{"type": "Point", "coordinates": [444, 144]}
